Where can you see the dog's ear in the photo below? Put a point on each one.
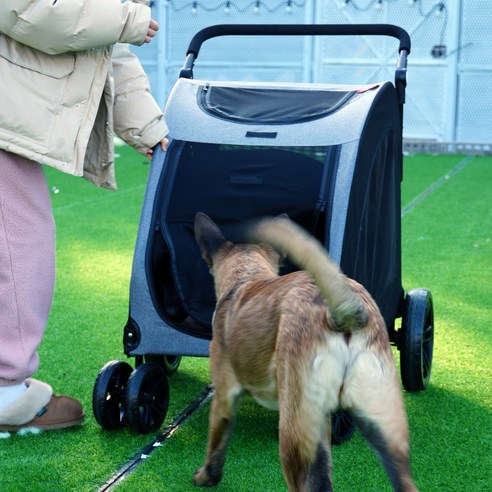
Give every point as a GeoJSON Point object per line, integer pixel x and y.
{"type": "Point", "coordinates": [208, 236]}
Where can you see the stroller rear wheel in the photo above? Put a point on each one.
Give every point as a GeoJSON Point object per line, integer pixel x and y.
{"type": "Point", "coordinates": [342, 427]}
{"type": "Point", "coordinates": [417, 337]}
{"type": "Point", "coordinates": [147, 398]}
{"type": "Point", "coordinates": [108, 394]}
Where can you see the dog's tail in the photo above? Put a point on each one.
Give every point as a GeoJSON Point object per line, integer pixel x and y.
{"type": "Point", "coordinates": [347, 309]}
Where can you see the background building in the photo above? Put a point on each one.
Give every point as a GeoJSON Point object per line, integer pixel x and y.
{"type": "Point", "coordinates": [449, 93]}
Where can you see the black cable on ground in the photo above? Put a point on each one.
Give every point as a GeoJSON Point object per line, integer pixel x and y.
{"type": "Point", "coordinates": [129, 467]}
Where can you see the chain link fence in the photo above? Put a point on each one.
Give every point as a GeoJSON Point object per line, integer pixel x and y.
{"type": "Point", "coordinates": [449, 95]}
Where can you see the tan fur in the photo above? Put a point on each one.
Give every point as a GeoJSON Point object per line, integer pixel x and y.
{"type": "Point", "coordinates": [307, 348]}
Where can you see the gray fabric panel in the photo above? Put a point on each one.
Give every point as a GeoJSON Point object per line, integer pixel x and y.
{"type": "Point", "coordinates": [156, 336]}
{"type": "Point", "coordinates": [341, 197]}
{"type": "Point", "coordinates": [341, 127]}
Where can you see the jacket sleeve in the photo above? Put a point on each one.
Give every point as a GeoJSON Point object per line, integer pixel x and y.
{"type": "Point", "coordinates": [138, 119]}
{"type": "Point", "coordinates": [61, 26]}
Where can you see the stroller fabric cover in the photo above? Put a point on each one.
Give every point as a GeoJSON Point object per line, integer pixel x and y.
{"type": "Point", "coordinates": [328, 156]}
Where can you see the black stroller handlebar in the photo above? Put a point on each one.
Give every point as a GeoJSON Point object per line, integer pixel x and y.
{"type": "Point", "coordinates": [298, 30]}
{"type": "Point", "coordinates": [304, 29]}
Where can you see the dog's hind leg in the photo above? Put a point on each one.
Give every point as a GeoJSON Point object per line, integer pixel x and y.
{"type": "Point", "coordinates": [294, 462]}
{"type": "Point", "coordinates": [374, 399]}
{"type": "Point", "coordinates": [225, 402]}
{"type": "Point", "coordinates": [305, 450]}
{"type": "Point", "coordinates": [305, 455]}
{"type": "Point", "coordinates": [393, 457]}
{"type": "Point", "coordinates": [320, 471]}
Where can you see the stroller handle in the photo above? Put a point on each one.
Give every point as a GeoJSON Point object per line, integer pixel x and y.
{"type": "Point", "coordinates": [298, 30]}
{"type": "Point", "coordinates": [305, 29]}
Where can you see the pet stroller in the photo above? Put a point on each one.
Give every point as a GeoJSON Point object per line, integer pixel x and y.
{"type": "Point", "coordinates": [329, 156]}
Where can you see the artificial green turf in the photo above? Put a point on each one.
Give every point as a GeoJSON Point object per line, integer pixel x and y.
{"type": "Point", "coordinates": [446, 247]}
{"type": "Point", "coordinates": [421, 171]}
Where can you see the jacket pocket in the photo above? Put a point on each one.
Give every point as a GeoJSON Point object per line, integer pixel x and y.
{"type": "Point", "coordinates": [56, 66]}
{"type": "Point", "coordinates": [33, 87]}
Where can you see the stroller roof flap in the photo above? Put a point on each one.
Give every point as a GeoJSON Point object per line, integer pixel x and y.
{"type": "Point", "coordinates": [255, 113]}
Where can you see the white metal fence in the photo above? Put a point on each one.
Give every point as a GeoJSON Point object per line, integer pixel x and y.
{"type": "Point", "coordinates": [449, 93]}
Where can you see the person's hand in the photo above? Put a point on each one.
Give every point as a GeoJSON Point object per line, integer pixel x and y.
{"type": "Point", "coordinates": [163, 143]}
{"type": "Point", "coordinates": [153, 28]}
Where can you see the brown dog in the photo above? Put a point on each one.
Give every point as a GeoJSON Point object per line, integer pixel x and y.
{"type": "Point", "coordinates": [308, 344]}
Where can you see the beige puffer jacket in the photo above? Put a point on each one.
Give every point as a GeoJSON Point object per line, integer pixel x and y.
{"type": "Point", "coordinates": [63, 88]}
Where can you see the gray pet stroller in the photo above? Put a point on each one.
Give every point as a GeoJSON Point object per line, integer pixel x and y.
{"type": "Point", "coordinates": [329, 156]}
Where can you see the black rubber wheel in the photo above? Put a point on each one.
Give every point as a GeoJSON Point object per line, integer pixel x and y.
{"type": "Point", "coordinates": [170, 363]}
{"type": "Point", "coordinates": [147, 398]}
{"type": "Point", "coordinates": [417, 339]}
{"type": "Point", "coordinates": [342, 427]}
{"type": "Point", "coordinates": [109, 394]}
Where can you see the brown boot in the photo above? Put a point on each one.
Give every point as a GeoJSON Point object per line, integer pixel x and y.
{"type": "Point", "coordinates": [39, 408]}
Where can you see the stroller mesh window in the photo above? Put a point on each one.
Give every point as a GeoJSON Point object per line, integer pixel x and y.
{"type": "Point", "coordinates": [270, 106]}
{"type": "Point", "coordinates": [230, 183]}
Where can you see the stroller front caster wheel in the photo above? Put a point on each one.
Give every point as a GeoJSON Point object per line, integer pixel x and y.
{"type": "Point", "coordinates": [417, 339]}
{"type": "Point", "coordinates": [170, 363]}
{"type": "Point", "coordinates": [147, 398]}
{"type": "Point", "coordinates": [109, 394]}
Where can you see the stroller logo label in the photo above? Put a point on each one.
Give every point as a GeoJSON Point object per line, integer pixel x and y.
{"type": "Point", "coordinates": [261, 134]}
{"type": "Point", "coordinates": [245, 179]}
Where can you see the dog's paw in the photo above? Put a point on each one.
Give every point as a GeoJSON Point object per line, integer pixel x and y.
{"type": "Point", "coordinates": [203, 479]}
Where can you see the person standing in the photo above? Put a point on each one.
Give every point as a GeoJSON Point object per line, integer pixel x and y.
{"type": "Point", "coordinates": [68, 83]}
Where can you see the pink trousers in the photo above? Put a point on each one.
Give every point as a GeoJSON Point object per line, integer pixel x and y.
{"type": "Point", "coordinates": [27, 265]}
